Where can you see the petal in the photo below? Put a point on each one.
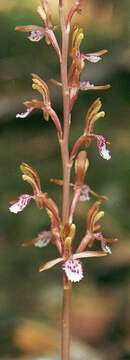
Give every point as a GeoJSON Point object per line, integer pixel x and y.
{"type": "Point", "coordinates": [86, 85]}
{"type": "Point", "coordinates": [85, 193]}
{"type": "Point", "coordinates": [105, 247]}
{"type": "Point", "coordinates": [92, 58]}
{"type": "Point", "coordinates": [73, 270]}
{"type": "Point", "coordinates": [101, 143]}
{"type": "Point", "coordinates": [43, 239]}
{"type": "Point", "coordinates": [50, 264]}
{"type": "Point", "coordinates": [21, 203]}
{"type": "Point", "coordinates": [36, 35]}
{"type": "Point", "coordinates": [24, 114]}
{"type": "Point", "coordinates": [98, 235]}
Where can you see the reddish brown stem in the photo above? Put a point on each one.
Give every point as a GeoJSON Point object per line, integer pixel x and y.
{"type": "Point", "coordinates": [66, 309]}
{"type": "Point", "coordinates": [65, 346]}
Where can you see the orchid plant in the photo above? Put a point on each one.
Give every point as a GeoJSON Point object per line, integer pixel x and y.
{"type": "Point", "coordinates": [62, 227]}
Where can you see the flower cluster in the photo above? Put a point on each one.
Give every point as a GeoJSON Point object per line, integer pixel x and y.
{"type": "Point", "coordinates": [62, 232]}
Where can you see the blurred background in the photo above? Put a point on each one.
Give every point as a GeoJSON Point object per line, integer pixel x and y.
{"type": "Point", "coordinates": [30, 303]}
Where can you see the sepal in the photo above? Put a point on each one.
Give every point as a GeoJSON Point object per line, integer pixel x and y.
{"type": "Point", "coordinates": [50, 264]}
{"type": "Point", "coordinates": [31, 176]}
{"type": "Point", "coordinates": [76, 7]}
{"type": "Point", "coordinates": [88, 254]}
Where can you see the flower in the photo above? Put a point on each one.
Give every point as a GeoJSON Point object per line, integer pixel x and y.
{"type": "Point", "coordinates": [92, 115]}
{"type": "Point", "coordinates": [86, 191]}
{"type": "Point", "coordinates": [71, 265]}
{"type": "Point", "coordinates": [36, 33]}
{"type": "Point", "coordinates": [93, 216]}
{"type": "Point", "coordinates": [78, 64]}
{"type": "Point", "coordinates": [31, 176]}
{"type": "Point", "coordinates": [44, 105]}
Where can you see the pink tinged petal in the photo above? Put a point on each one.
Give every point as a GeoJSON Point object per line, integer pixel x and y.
{"type": "Point", "coordinates": [50, 264]}
{"type": "Point", "coordinates": [44, 237]}
{"type": "Point", "coordinates": [36, 35]}
{"type": "Point", "coordinates": [73, 270]}
{"type": "Point", "coordinates": [92, 58]}
{"type": "Point", "coordinates": [87, 254]}
{"type": "Point", "coordinates": [86, 85]}
{"type": "Point", "coordinates": [24, 114]}
{"type": "Point", "coordinates": [98, 235]}
{"type": "Point", "coordinates": [85, 193]}
{"type": "Point", "coordinates": [105, 247]}
{"type": "Point", "coordinates": [103, 151]}
{"type": "Point", "coordinates": [21, 203]}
